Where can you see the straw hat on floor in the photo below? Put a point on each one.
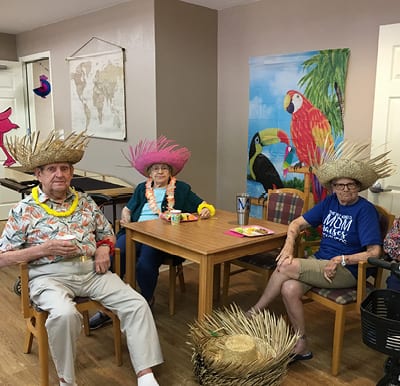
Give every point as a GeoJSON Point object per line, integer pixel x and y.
{"type": "Point", "coordinates": [230, 348]}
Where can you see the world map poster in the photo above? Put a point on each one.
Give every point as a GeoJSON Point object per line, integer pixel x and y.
{"type": "Point", "coordinates": [98, 95]}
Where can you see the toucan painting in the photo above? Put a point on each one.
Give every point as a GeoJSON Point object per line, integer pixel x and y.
{"type": "Point", "coordinates": [261, 168]}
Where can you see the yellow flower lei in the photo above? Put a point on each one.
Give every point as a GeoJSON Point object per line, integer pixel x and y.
{"type": "Point", "coordinates": [35, 196]}
{"type": "Point", "coordinates": [207, 206]}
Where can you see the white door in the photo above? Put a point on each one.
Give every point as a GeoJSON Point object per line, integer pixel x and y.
{"type": "Point", "coordinates": [11, 95]}
{"type": "Point", "coordinates": [386, 118]}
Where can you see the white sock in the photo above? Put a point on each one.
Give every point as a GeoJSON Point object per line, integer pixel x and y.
{"type": "Point", "coordinates": [147, 380]}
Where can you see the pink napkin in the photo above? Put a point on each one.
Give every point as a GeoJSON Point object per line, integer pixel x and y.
{"type": "Point", "coordinates": [232, 233]}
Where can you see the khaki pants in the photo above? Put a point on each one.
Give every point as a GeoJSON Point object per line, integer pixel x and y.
{"type": "Point", "coordinates": [312, 275]}
{"type": "Point", "coordinates": [52, 288]}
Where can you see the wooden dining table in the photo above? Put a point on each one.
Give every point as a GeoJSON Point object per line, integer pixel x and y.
{"type": "Point", "coordinates": [207, 242]}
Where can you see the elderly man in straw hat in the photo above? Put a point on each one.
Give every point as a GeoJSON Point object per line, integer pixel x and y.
{"type": "Point", "coordinates": [350, 233]}
{"type": "Point", "coordinates": [61, 269]}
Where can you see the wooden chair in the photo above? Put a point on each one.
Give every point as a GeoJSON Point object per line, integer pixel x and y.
{"type": "Point", "coordinates": [175, 271]}
{"type": "Point", "coordinates": [282, 206]}
{"type": "Point", "coordinates": [344, 300]}
{"type": "Point", "coordinates": [36, 319]}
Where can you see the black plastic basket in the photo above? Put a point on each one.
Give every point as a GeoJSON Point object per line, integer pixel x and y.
{"type": "Point", "coordinates": [380, 321]}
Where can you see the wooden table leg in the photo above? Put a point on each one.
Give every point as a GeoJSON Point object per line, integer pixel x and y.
{"type": "Point", "coordinates": [206, 288]}
{"type": "Point", "coordinates": [217, 282]}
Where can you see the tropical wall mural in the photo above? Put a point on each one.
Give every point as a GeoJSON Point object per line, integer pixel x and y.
{"type": "Point", "coordinates": [296, 107]}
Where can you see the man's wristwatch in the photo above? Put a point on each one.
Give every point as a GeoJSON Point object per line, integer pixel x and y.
{"type": "Point", "coordinates": [343, 261]}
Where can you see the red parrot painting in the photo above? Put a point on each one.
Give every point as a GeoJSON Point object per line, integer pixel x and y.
{"type": "Point", "coordinates": [5, 126]}
{"type": "Point", "coordinates": [311, 133]}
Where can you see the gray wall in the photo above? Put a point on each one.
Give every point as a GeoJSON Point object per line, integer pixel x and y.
{"type": "Point", "coordinates": [186, 79]}
{"type": "Point", "coordinates": [158, 61]}
{"type": "Point", "coordinates": [272, 27]}
{"type": "Point", "coordinates": [8, 48]}
{"type": "Point", "coordinates": [130, 25]}
{"type": "Point", "coordinates": [170, 81]}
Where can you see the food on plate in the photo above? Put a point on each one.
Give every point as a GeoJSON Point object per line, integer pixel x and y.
{"type": "Point", "coordinates": [252, 230]}
{"type": "Point", "coordinates": [184, 216]}
{"type": "Point", "coordinates": [188, 217]}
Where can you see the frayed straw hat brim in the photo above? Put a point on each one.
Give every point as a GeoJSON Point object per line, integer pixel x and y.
{"type": "Point", "coordinates": [351, 160]}
{"type": "Point", "coordinates": [344, 168]}
{"type": "Point", "coordinates": [159, 151]}
{"type": "Point", "coordinates": [32, 153]}
{"type": "Point", "coordinates": [273, 341]}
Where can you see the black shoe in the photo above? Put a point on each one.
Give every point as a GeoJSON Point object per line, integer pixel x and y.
{"type": "Point", "coordinates": [99, 320]}
{"type": "Point", "coordinates": [301, 357]}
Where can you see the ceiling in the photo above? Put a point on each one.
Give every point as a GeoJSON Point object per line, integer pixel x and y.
{"type": "Point", "coordinates": [25, 15]}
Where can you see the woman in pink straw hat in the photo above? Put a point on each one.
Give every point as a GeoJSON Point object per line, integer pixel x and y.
{"type": "Point", "coordinates": [159, 161]}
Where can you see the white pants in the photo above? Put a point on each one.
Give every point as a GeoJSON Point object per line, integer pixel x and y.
{"type": "Point", "coordinates": [52, 288]}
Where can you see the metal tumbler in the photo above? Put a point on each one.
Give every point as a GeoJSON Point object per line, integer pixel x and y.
{"type": "Point", "coordinates": [243, 208]}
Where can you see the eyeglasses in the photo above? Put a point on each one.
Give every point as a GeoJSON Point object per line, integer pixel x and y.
{"type": "Point", "coordinates": [156, 168]}
{"type": "Point", "coordinates": [349, 186]}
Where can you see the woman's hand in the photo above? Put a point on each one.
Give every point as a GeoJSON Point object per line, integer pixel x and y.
{"type": "Point", "coordinates": [330, 270]}
{"type": "Point", "coordinates": [285, 254]}
{"type": "Point", "coordinates": [125, 216]}
{"type": "Point", "coordinates": [205, 213]}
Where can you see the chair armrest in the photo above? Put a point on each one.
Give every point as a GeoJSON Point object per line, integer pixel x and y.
{"type": "Point", "coordinates": [117, 262]}
{"type": "Point", "coordinates": [117, 226]}
{"type": "Point", "coordinates": [25, 299]}
{"type": "Point", "coordinates": [362, 281]}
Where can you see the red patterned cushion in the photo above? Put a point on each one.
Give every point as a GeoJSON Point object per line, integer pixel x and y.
{"type": "Point", "coordinates": [284, 207]}
{"type": "Point", "coordinates": [340, 295]}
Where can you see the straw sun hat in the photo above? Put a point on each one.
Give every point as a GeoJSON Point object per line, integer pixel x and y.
{"type": "Point", "coordinates": [32, 153]}
{"type": "Point", "coordinates": [230, 348]}
{"type": "Point", "coordinates": [349, 160]}
{"type": "Point", "coordinates": [159, 151]}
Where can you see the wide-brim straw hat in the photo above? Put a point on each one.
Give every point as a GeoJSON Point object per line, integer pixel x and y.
{"type": "Point", "coordinates": [349, 160]}
{"type": "Point", "coordinates": [32, 153]}
{"type": "Point", "coordinates": [159, 151]}
{"type": "Point", "coordinates": [230, 348]}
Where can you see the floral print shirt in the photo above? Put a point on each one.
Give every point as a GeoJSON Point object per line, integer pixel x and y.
{"type": "Point", "coordinates": [28, 225]}
{"type": "Point", "coordinates": [391, 244]}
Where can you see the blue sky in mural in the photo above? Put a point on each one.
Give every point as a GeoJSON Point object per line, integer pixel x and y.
{"type": "Point", "coordinates": [270, 78]}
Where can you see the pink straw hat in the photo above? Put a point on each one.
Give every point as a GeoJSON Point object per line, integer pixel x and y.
{"type": "Point", "coordinates": [159, 151]}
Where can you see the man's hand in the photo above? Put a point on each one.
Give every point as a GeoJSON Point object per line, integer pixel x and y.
{"type": "Point", "coordinates": [56, 247]}
{"type": "Point", "coordinates": [102, 260]}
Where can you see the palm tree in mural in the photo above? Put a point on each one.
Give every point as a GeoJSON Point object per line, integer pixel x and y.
{"type": "Point", "coordinates": [324, 84]}
{"type": "Point", "coordinates": [317, 115]}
